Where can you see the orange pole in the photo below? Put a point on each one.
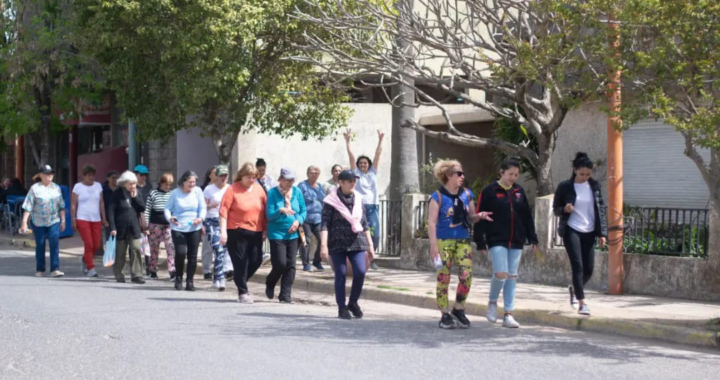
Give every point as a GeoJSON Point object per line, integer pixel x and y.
{"type": "Point", "coordinates": [615, 169]}
{"type": "Point", "coordinates": [20, 157]}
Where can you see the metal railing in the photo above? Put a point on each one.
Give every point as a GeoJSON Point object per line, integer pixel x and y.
{"type": "Point", "coordinates": [661, 231]}
{"type": "Point", "coordinates": [390, 214]}
{"type": "Point", "coordinates": [421, 219]}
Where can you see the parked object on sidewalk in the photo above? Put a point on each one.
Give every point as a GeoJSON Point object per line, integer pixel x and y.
{"type": "Point", "coordinates": [345, 239]}
{"type": "Point", "coordinates": [109, 256]}
{"type": "Point", "coordinates": [579, 204]}
{"type": "Point", "coordinates": [450, 215]}
{"type": "Point", "coordinates": [512, 227]}
{"type": "Point", "coordinates": [45, 205]}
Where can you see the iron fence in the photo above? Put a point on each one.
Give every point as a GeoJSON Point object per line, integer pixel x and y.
{"type": "Point", "coordinates": [421, 219]}
{"type": "Point", "coordinates": [661, 231]}
{"type": "Point", "coordinates": [390, 227]}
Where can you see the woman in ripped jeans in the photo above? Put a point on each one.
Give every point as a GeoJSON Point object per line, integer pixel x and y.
{"type": "Point", "coordinates": [511, 228]}
{"type": "Point", "coordinates": [213, 198]}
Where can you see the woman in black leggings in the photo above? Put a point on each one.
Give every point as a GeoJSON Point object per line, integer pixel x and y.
{"type": "Point", "coordinates": [579, 204]}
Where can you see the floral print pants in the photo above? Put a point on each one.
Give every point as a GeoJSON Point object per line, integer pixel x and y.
{"type": "Point", "coordinates": [456, 251]}
{"type": "Point", "coordinates": [160, 233]}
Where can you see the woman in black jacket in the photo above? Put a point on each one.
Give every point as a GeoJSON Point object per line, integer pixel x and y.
{"type": "Point", "coordinates": [511, 228]}
{"type": "Point", "coordinates": [579, 204]}
{"type": "Point", "coordinates": [126, 209]}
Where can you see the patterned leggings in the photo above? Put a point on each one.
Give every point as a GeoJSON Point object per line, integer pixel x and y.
{"type": "Point", "coordinates": [160, 233]}
{"type": "Point", "coordinates": [460, 252]}
{"type": "Point", "coordinates": [212, 230]}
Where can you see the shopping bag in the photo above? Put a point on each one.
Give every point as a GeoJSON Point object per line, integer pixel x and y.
{"type": "Point", "coordinates": [145, 245]}
{"type": "Point", "coordinates": [109, 256]}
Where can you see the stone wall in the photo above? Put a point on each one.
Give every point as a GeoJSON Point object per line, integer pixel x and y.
{"type": "Point", "coordinates": [675, 277]}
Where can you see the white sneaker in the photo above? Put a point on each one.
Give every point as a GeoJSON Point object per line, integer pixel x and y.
{"type": "Point", "coordinates": [266, 258]}
{"type": "Point", "coordinates": [216, 284]}
{"type": "Point", "coordinates": [91, 273]}
{"type": "Point", "coordinates": [56, 273]}
{"type": "Point", "coordinates": [584, 309]}
{"type": "Point", "coordinates": [491, 314]}
{"type": "Point", "coordinates": [83, 267]}
{"type": "Point", "coordinates": [245, 299]}
{"type": "Point", "coordinates": [510, 322]}
{"type": "Point", "coordinates": [221, 285]}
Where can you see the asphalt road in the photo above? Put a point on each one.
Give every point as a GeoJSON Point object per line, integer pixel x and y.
{"type": "Point", "coordinates": [79, 328]}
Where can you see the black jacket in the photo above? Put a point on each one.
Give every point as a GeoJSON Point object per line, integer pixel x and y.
{"type": "Point", "coordinates": [512, 224]}
{"type": "Point", "coordinates": [124, 214]}
{"type": "Point", "coordinates": [565, 194]}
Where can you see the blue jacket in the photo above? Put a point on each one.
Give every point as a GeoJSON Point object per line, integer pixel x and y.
{"type": "Point", "coordinates": [279, 224]}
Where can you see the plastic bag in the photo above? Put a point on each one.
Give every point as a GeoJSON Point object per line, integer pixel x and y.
{"type": "Point", "coordinates": [145, 245]}
{"type": "Point", "coordinates": [109, 256]}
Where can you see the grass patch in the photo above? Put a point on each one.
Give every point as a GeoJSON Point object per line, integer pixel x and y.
{"type": "Point", "coordinates": [394, 288]}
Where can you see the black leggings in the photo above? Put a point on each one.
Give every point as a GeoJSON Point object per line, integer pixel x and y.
{"type": "Point", "coordinates": [580, 248]}
{"type": "Point", "coordinates": [245, 250]}
{"type": "Point", "coordinates": [186, 244]}
{"type": "Point", "coordinates": [282, 257]}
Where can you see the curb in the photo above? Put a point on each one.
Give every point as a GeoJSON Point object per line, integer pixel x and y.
{"type": "Point", "coordinates": [627, 328]}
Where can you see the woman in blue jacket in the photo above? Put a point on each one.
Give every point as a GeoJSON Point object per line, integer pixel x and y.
{"type": "Point", "coordinates": [285, 213]}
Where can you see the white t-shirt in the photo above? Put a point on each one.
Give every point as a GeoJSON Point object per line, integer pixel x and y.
{"type": "Point", "coordinates": [583, 217]}
{"type": "Point", "coordinates": [367, 186]}
{"type": "Point", "coordinates": [214, 195]}
{"type": "Point", "coordinates": [269, 182]}
{"type": "Point", "coordinates": [88, 208]}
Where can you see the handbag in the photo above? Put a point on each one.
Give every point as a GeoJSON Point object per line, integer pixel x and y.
{"type": "Point", "coordinates": [109, 256]}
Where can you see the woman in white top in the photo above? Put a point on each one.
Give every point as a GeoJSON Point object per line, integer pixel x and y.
{"type": "Point", "coordinates": [579, 204]}
{"type": "Point", "coordinates": [213, 198]}
{"type": "Point", "coordinates": [88, 217]}
{"type": "Point", "coordinates": [366, 171]}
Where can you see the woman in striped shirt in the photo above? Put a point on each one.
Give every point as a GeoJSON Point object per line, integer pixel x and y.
{"type": "Point", "coordinates": [159, 227]}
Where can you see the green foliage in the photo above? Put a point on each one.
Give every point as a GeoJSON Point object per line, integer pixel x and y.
{"type": "Point", "coordinates": [225, 61]}
{"type": "Point", "coordinates": [510, 130]}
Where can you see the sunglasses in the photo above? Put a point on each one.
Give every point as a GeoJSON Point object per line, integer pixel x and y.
{"type": "Point", "coordinates": [460, 174]}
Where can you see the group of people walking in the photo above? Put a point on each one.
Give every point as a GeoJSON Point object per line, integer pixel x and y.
{"type": "Point", "coordinates": [342, 215]}
{"type": "Point", "coordinates": [502, 225]}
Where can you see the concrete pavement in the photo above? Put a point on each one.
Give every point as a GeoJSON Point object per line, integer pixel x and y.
{"type": "Point", "coordinates": [80, 328]}
{"type": "Point", "coordinates": [672, 320]}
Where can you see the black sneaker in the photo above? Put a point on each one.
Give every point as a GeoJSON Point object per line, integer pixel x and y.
{"type": "Point", "coordinates": [138, 280]}
{"type": "Point", "coordinates": [190, 287]}
{"type": "Point", "coordinates": [446, 322]}
{"type": "Point", "coordinates": [463, 322]}
{"type": "Point", "coordinates": [269, 292]}
{"type": "Point", "coordinates": [285, 300]}
{"type": "Point", "coordinates": [153, 276]}
{"type": "Point", "coordinates": [178, 283]}
{"type": "Point", "coordinates": [355, 310]}
{"type": "Point", "coordinates": [344, 313]}
{"type": "Point", "coordinates": [207, 276]}
{"type": "Point", "coordinates": [172, 276]}
{"type": "Point", "coordinates": [229, 275]}
{"type": "Point", "coordinates": [573, 300]}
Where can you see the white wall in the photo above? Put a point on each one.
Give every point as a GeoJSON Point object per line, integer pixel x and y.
{"type": "Point", "coordinates": [194, 153]}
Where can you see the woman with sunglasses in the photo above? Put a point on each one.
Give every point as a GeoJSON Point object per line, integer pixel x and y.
{"type": "Point", "coordinates": [451, 213]}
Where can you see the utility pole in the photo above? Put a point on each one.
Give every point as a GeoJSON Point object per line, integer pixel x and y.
{"type": "Point", "coordinates": [615, 167]}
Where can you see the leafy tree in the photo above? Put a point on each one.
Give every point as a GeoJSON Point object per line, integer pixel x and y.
{"type": "Point", "coordinates": [218, 65]}
{"type": "Point", "coordinates": [42, 73]}
{"type": "Point", "coordinates": [671, 51]}
{"type": "Point", "coordinates": [529, 61]}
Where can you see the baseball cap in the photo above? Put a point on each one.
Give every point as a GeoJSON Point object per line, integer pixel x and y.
{"type": "Point", "coordinates": [222, 170]}
{"type": "Point", "coordinates": [287, 173]}
{"type": "Point", "coordinates": [347, 175]}
{"type": "Point", "coordinates": [141, 169]}
{"type": "Point", "coordinates": [46, 169]}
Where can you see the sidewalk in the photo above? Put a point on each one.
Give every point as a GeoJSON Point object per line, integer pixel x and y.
{"type": "Point", "coordinates": [672, 320]}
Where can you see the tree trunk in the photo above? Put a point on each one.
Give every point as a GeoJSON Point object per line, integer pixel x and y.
{"type": "Point", "coordinates": [546, 147]}
{"type": "Point", "coordinates": [43, 101]}
{"type": "Point", "coordinates": [224, 144]}
{"type": "Point", "coordinates": [404, 168]}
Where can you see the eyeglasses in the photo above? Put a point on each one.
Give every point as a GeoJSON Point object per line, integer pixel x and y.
{"type": "Point", "coordinates": [460, 174]}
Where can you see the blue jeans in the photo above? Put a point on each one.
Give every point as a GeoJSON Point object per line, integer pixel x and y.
{"type": "Point", "coordinates": [52, 234]}
{"type": "Point", "coordinates": [504, 260]}
{"type": "Point", "coordinates": [212, 230]}
{"type": "Point", "coordinates": [357, 260]}
{"type": "Point", "coordinates": [373, 220]}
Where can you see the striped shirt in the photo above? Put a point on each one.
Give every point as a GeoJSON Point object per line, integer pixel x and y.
{"type": "Point", "coordinates": [155, 207]}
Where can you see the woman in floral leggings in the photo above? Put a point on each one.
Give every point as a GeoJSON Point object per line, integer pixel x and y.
{"type": "Point", "coordinates": [450, 216]}
{"type": "Point", "coordinates": [159, 227]}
